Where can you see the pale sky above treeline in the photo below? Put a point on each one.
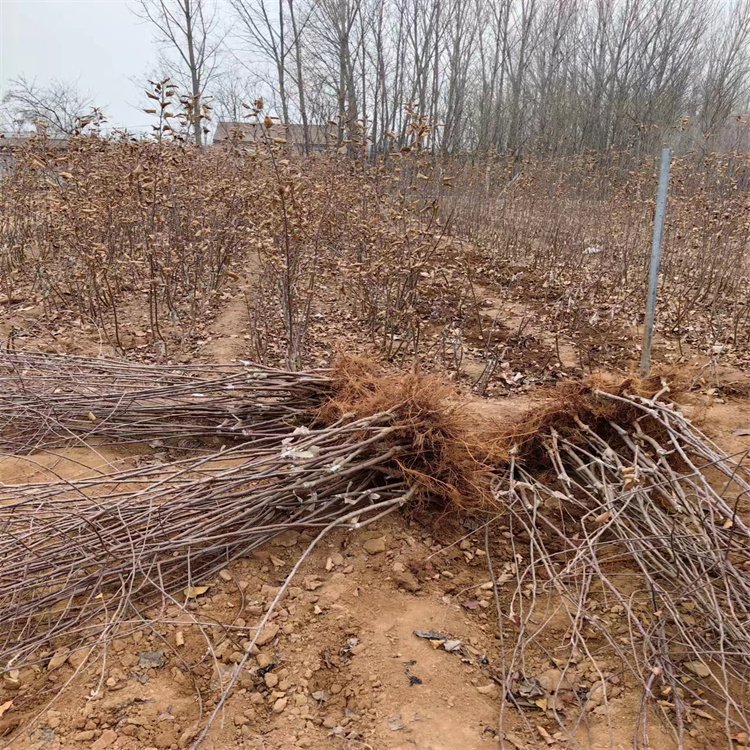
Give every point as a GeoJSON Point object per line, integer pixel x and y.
{"type": "Point", "coordinates": [100, 46]}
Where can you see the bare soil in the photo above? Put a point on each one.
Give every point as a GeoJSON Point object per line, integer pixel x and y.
{"type": "Point", "coordinates": [341, 664]}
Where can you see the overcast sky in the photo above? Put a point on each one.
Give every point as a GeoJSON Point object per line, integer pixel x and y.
{"type": "Point", "coordinates": [99, 45]}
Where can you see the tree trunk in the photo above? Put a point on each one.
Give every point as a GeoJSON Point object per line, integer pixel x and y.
{"type": "Point", "coordinates": [194, 76]}
{"type": "Point", "coordinates": [282, 67]}
{"type": "Point", "coordinates": [300, 81]}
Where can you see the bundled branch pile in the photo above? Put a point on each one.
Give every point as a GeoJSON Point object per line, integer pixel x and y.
{"type": "Point", "coordinates": [109, 550]}
{"type": "Point", "coordinates": [606, 485]}
{"type": "Point", "coordinates": [99, 551]}
{"type": "Point", "coordinates": [597, 481]}
{"type": "Point", "coordinates": [45, 398]}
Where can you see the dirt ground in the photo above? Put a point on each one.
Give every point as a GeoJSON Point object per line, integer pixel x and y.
{"type": "Point", "coordinates": [387, 639]}
{"type": "Point", "coordinates": [341, 664]}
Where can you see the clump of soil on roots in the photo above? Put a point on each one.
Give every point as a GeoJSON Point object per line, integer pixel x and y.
{"type": "Point", "coordinates": [445, 448]}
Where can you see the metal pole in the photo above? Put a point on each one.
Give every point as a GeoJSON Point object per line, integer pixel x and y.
{"type": "Point", "coordinates": [653, 275]}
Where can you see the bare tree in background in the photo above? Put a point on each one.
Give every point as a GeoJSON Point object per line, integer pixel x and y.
{"type": "Point", "coordinates": [57, 107]}
{"type": "Point", "coordinates": [232, 92]}
{"type": "Point", "coordinates": [728, 67]}
{"type": "Point", "coordinates": [297, 28]}
{"type": "Point", "coordinates": [490, 76]}
{"type": "Point", "coordinates": [189, 27]}
{"type": "Point", "coordinates": [336, 28]}
{"type": "Point", "coordinates": [272, 29]}
{"type": "Point", "coordinates": [263, 27]}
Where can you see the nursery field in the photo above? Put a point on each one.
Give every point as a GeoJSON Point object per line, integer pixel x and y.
{"type": "Point", "coordinates": [310, 453]}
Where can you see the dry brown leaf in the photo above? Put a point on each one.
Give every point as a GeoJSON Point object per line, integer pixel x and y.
{"type": "Point", "coordinates": [698, 668]}
{"type": "Point", "coordinates": [546, 736]}
{"type": "Point", "coordinates": [5, 706]}
{"type": "Point", "coordinates": [514, 740]}
{"type": "Point", "coordinates": [703, 714]}
{"type": "Point", "coordinates": [192, 591]}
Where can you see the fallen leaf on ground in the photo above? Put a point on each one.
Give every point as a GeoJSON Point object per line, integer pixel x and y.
{"type": "Point", "coordinates": [698, 668]}
{"type": "Point", "coordinates": [546, 736]}
{"type": "Point", "coordinates": [430, 635]}
{"type": "Point", "coordinates": [395, 723]}
{"type": "Point", "coordinates": [192, 591]}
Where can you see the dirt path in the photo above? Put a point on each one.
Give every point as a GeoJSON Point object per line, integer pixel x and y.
{"type": "Point", "coordinates": [226, 342]}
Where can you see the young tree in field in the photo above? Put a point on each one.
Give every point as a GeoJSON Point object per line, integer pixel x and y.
{"type": "Point", "coordinates": [57, 107]}
{"type": "Point", "coordinates": [188, 27]}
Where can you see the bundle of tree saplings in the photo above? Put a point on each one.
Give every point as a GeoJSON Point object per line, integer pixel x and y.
{"type": "Point", "coordinates": [79, 558]}
{"type": "Point", "coordinates": [606, 488]}
{"type": "Point", "coordinates": [47, 398]}
{"type": "Point", "coordinates": [596, 481]}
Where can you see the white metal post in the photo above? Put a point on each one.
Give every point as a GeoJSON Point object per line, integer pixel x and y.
{"type": "Point", "coordinates": [653, 276]}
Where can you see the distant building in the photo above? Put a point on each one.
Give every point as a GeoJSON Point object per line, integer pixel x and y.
{"type": "Point", "coordinates": [14, 141]}
{"type": "Point", "coordinates": [11, 143]}
{"type": "Point", "coordinates": [253, 133]}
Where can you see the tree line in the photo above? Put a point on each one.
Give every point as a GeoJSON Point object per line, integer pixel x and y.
{"type": "Point", "coordinates": [454, 76]}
